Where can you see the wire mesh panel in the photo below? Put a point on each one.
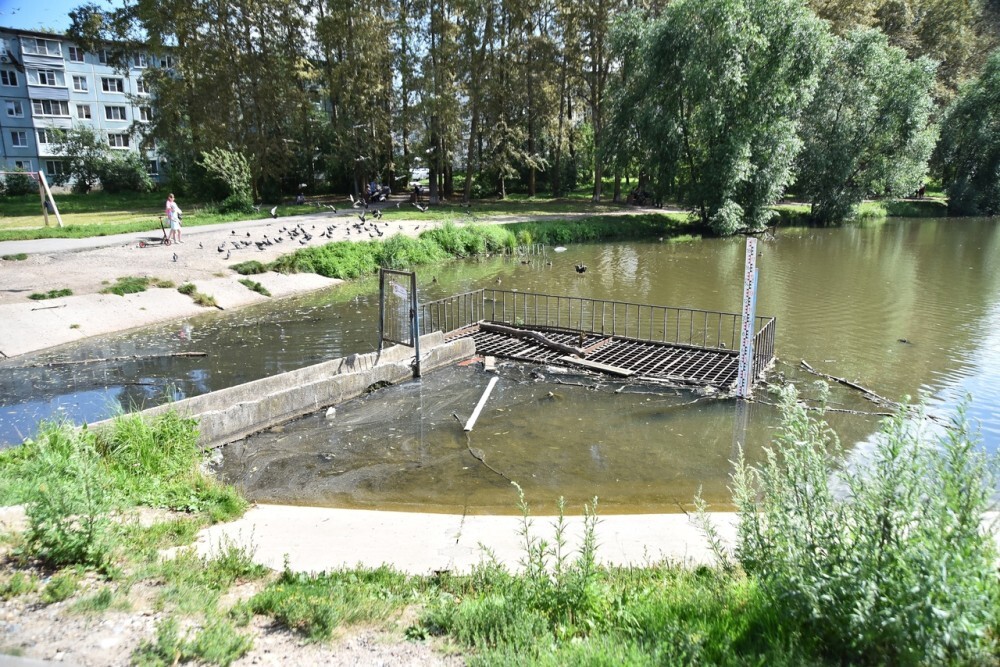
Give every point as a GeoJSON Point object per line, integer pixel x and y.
{"type": "Point", "coordinates": [397, 311]}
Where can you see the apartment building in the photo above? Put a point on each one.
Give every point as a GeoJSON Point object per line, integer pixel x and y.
{"type": "Point", "coordinates": [48, 83]}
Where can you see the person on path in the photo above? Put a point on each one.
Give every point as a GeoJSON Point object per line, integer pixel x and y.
{"type": "Point", "coordinates": [173, 212]}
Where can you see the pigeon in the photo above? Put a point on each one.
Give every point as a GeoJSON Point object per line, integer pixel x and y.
{"type": "Point", "coordinates": [228, 253]}
{"type": "Point", "coordinates": [422, 209]}
{"type": "Point", "coordinates": [248, 234]}
{"type": "Point", "coordinates": [581, 268]}
{"type": "Point", "coordinates": [274, 212]}
{"type": "Point", "coordinates": [200, 246]}
{"type": "Point", "coordinates": [222, 246]}
{"type": "Point", "coordinates": [233, 233]}
{"type": "Point", "coordinates": [175, 256]}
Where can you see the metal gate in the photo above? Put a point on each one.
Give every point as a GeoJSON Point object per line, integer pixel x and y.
{"type": "Point", "coordinates": [397, 312]}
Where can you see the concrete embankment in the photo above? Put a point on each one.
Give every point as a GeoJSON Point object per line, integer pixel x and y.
{"type": "Point", "coordinates": [236, 412]}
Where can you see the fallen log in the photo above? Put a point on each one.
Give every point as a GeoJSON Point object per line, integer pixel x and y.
{"type": "Point", "coordinates": [534, 336]}
{"type": "Point", "coordinates": [868, 393]}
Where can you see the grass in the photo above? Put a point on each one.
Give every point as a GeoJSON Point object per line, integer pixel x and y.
{"type": "Point", "coordinates": [255, 286]}
{"type": "Point", "coordinates": [51, 294]}
{"type": "Point", "coordinates": [21, 256]}
{"type": "Point", "coordinates": [135, 284]}
{"type": "Point", "coordinates": [204, 300]}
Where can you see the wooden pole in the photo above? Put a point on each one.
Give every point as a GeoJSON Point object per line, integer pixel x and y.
{"type": "Point", "coordinates": [482, 401]}
{"type": "Point", "coordinates": [48, 193]}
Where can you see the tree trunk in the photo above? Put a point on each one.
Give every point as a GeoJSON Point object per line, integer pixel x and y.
{"type": "Point", "coordinates": [618, 188]}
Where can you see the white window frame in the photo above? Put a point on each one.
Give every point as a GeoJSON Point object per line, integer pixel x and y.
{"type": "Point", "coordinates": [50, 107]}
{"type": "Point", "coordinates": [14, 108]}
{"type": "Point", "coordinates": [138, 60]}
{"type": "Point", "coordinates": [109, 82]}
{"type": "Point", "coordinates": [46, 136]}
{"type": "Point", "coordinates": [8, 77]}
{"type": "Point", "coordinates": [102, 56]}
{"type": "Point", "coordinates": [80, 83]}
{"type": "Point", "coordinates": [83, 112]}
{"type": "Point", "coordinates": [18, 138]}
{"type": "Point", "coordinates": [167, 62]}
{"type": "Point", "coordinates": [118, 141]}
{"type": "Point", "coordinates": [49, 47]}
{"type": "Point", "coordinates": [49, 78]}
{"type": "Point", "coordinates": [76, 54]}
{"type": "Point", "coordinates": [115, 112]}
{"type": "Point", "coordinates": [153, 167]}
{"type": "Point", "coordinates": [145, 114]}
{"type": "Point", "coordinates": [23, 164]}
{"type": "Point", "coordinates": [140, 86]}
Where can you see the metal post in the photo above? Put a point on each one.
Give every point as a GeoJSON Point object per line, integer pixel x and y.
{"type": "Point", "coordinates": [415, 324]}
{"type": "Point", "coordinates": [381, 308]}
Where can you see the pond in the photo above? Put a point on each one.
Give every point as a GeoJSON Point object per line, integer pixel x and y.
{"type": "Point", "coordinates": [907, 307]}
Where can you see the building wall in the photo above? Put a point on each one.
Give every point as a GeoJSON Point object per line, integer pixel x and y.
{"type": "Point", "coordinates": [47, 82]}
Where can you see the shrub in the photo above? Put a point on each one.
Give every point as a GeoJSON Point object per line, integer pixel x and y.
{"type": "Point", "coordinates": [124, 173]}
{"type": "Point", "coordinates": [240, 202]}
{"type": "Point", "coordinates": [20, 183]}
{"type": "Point", "coordinates": [884, 564]}
{"type": "Point", "coordinates": [187, 289]}
{"type": "Point", "coordinates": [127, 285]}
{"type": "Point", "coordinates": [19, 257]}
{"type": "Point", "coordinates": [255, 286]}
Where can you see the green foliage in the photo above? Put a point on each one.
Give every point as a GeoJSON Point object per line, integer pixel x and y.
{"type": "Point", "coordinates": [249, 268]}
{"type": "Point", "coordinates": [192, 584]}
{"type": "Point", "coordinates": [231, 169]}
{"type": "Point", "coordinates": [19, 257]}
{"type": "Point", "coordinates": [187, 289]}
{"type": "Point", "coordinates": [723, 84]}
{"type": "Point", "coordinates": [216, 643]}
{"type": "Point", "coordinates": [255, 286]}
{"type": "Point", "coordinates": [61, 586]}
{"type": "Point", "coordinates": [128, 285]}
{"type": "Point", "coordinates": [103, 600]}
{"type": "Point", "coordinates": [969, 152]}
{"type": "Point", "coordinates": [84, 151]}
{"type": "Point", "coordinates": [68, 495]}
{"type": "Point", "coordinates": [868, 130]}
{"type": "Point", "coordinates": [51, 294]}
{"type": "Point", "coordinates": [125, 172]}
{"type": "Point", "coordinates": [886, 563]}
{"type": "Point", "coordinates": [20, 183]}
{"type": "Point", "coordinates": [315, 605]}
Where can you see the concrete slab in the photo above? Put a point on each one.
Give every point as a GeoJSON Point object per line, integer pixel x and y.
{"type": "Point", "coordinates": [316, 539]}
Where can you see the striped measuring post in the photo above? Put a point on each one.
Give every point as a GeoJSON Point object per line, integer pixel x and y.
{"type": "Point", "coordinates": [744, 372]}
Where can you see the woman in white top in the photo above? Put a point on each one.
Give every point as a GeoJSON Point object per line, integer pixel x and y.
{"type": "Point", "coordinates": [174, 218]}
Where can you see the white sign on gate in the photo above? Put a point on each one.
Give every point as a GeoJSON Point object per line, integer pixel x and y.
{"type": "Point", "coordinates": [744, 374]}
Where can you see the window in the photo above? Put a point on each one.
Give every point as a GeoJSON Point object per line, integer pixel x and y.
{"type": "Point", "coordinates": [102, 56]}
{"type": "Point", "coordinates": [15, 109]}
{"type": "Point", "coordinates": [47, 137]}
{"type": "Point", "coordinates": [8, 78]}
{"type": "Point", "coordinates": [140, 87]}
{"type": "Point", "coordinates": [50, 108]}
{"type": "Point", "coordinates": [114, 113]}
{"type": "Point", "coordinates": [22, 164]}
{"type": "Point", "coordinates": [118, 140]}
{"type": "Point", "coordinates": [152, 168]}
{"type": "Point", "coordinates": [46, 77]}
{"type": "Point", "coordinates": [112, 85]}
{"type": "Point", "coordinates": [145, 114]}
{"type": "Point", "coordinates": [40, 47]}
{"type": "Point", "coordinates": [83, 111]}
{"type": "Point", "coordinates": [76, 54]}
{"type": "Point", "coordinates": [80, 84]}
{"type": "Point", "coordinates": [166, 62]}
{"type": "Point", "coordinates": [55, 167]}
{"type": "Point", "coordinates": [138, 60]}
{"type": "Point", "coordinates": [19, 139]}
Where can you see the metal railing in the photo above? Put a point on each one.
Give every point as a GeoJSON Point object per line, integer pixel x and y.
{"type": "Point", "coordinates": [704, 329]}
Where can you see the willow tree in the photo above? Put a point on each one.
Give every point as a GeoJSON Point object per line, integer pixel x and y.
{"type": "Point", "coordinates": [969, 151]}
{"type": "Point", "coordinates": [726, 82]}
{"type": "Point", "coordinates": [868, 129]}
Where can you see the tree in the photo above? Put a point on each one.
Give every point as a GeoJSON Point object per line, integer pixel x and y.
{"type": "Point", "coordinates": [868, 130]}
{"type": "Point", "coordinates": [968, 155]}
{"type": "Point", "coordinates": [726, 82]}
{"type": "Point", "coordinates": [83, 151]}
{"type": "Point", "coordinates": [124, 173]}
{"type": "Point", "coordinates": [233, 171]}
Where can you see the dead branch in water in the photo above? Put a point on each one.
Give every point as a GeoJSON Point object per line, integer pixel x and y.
{"type": "Point", "coordinates": [541, 339]}
{"type": "Point", "coordinates": [130, 357]}
{"type": "Point", "coordinates": [868, 393]}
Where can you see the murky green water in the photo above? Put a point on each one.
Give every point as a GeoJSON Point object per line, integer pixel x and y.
{"type": "Point", "coordinates": [843, 299]}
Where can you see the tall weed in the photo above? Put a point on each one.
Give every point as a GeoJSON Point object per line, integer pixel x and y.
{"type": "Point", "coordinates": [887, 563]}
